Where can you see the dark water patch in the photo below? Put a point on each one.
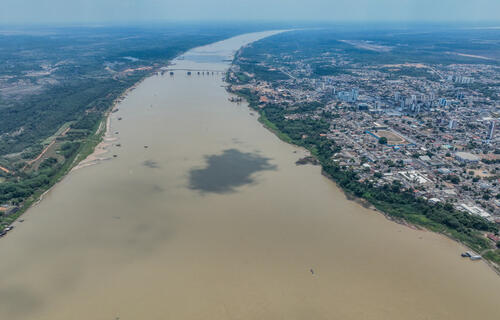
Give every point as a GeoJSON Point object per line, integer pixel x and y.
{"type": "Point", "coordinates": [227, 171]}
{"type": "Point", "coordinates": [158, 189]}
{"type": "Point", "coordinates": [151, 164]}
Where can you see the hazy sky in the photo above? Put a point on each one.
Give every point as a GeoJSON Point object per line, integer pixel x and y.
{"type": "Point", "coordinates": [84, 11]}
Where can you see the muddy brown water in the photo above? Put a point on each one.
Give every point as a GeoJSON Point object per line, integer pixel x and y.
{"type": "Point", "coordinates": [214, 220]}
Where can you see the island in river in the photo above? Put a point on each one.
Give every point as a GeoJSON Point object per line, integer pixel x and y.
{"type": "Point", "coordinates": [214, 220]}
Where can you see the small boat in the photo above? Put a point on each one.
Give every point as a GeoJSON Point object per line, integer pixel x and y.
{"type": "Point", "coordinates": [471, 255]}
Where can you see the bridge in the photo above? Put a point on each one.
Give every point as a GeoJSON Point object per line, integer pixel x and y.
{"type": "Point", "coordinates": [196, 70]}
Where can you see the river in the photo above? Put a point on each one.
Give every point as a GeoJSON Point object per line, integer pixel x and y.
{"type": "Point", "coordinates": [204, 214]}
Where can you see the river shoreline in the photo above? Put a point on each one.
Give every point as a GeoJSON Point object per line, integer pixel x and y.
{"type": "Point", "coordinates": [106, 139]}
{"type": "Point", "coordinates": [83, 158]}
{"type": "Point", "coordinates": [360, 201]}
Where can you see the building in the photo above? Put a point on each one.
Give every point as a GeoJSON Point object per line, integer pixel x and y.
{"type": "Point", "coordinates": [474, 210]}
{"type": "Point", "coordinates": [363, 107]}
{"type": "Point", "coordinates": [396, 96]}
{"type": "Point", "coordinates": [414, 176]}
{"type": "Point", "coordinates": [466, 157]}
{"type": "Point", "coordinates": [491, 131]}
{"type": "Point", "coordinates": [354, 94]}
{"type": "Point", "coordinates": [6, 209]}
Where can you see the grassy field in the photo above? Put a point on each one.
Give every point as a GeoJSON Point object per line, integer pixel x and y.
{"type": "Point", "coordinates": [392, 138]}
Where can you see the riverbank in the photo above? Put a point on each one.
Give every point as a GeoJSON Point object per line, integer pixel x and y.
{"type": "Point", "coordinates": [95, 153]}
{"type": "Point", "coordinates": [78, 105]}
{"type": "Point", "coordinates": [88, 153]}
{"type": "Point", "coordinates": [406, 211]}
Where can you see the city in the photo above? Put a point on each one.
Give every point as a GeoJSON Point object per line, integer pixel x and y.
{"type": "Point", "coordinates": [427, 126]}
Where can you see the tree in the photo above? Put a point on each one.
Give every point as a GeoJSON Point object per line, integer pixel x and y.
{"type": "Point", "coordinates": [454, 179]}
{"type": "Point", "coordinates": [382, 140]}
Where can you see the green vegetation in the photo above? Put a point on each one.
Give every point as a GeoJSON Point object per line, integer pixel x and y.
{"type": "Point", "coordinates": [28, 187]}
{"type": "Point", "coordinates": [493, 255]}
{"type": "Point", "coordinates": [271, 126]}
{"type": "Point", "coordinates": [321, 70]}
{"type": "Point", "coordinates": [242, 77]}
{"type": "Point", "coordinates": [261, 71]}
{"type": "Point", "coordinates": [55, 107]}
{"type": "Point", "coordinates": [396, 73]}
